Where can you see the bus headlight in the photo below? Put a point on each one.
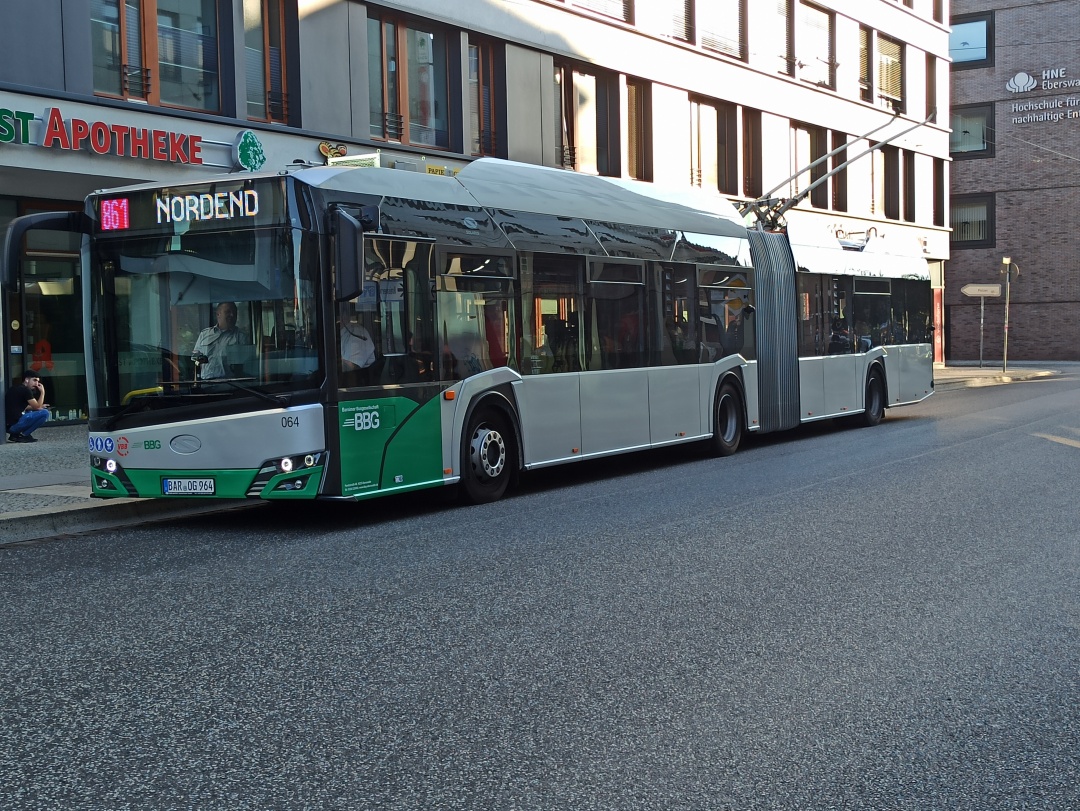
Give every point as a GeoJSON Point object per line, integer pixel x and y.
{"type": "Point", "coordinates": [286, 465]}
{"type": "Point", "coordinates": [110, 465]}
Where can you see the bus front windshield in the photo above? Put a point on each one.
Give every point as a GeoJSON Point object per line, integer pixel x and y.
{"type": "Point", "coordinates": [202, 321]}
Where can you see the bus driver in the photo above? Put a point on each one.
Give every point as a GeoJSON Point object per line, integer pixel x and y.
{"type": "Point", "coordinates": [210, 347]}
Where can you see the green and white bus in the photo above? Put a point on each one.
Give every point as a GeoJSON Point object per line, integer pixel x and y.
{"type": "Point", "coordinates": [509, 318]}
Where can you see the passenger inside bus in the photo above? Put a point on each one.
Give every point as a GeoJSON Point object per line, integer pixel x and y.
{"type": "Point", "coordinates": [358, 353]}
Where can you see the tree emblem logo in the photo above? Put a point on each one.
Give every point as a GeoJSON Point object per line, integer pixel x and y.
{"type": "Point", "coordinates": [1021, 83]}
{"type": "Point", "coordinates": [248, 152]}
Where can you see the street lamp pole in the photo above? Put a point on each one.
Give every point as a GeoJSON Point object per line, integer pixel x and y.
{"type": "Point", "coordinates": [1008, 271]}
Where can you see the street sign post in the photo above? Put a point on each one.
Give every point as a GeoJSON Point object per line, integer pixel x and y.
{"type": "Point", "coordinates": [982, 291]}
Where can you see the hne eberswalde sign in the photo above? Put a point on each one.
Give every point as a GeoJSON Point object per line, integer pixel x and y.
{"type": "Point", "coordinates": [1043, 110]}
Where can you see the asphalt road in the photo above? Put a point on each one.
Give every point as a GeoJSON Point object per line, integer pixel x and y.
{"type": "Point", "coordinates": [835, 618]}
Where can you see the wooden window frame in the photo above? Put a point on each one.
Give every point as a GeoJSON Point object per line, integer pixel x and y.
{"type": "Point", "coordinates": [398, 130]}
{"type": "Point", "coordinates": [487, 133]}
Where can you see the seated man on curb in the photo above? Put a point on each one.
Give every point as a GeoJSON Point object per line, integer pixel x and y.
{"type": "Point", "coordinates": [24, 408]}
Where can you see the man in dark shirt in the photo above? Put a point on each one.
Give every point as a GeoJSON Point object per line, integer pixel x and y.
{"type": "Point", "coordinates": [24, 408]}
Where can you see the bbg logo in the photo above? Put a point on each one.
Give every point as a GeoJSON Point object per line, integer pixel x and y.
{"type": "Point", "coordinates": [366, 420]}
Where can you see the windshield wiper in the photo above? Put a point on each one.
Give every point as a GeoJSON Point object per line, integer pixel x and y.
{"type": "Point", "coordinates": [277, 399]}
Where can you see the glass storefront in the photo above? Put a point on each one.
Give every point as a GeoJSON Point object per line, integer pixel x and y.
{"type": "Point", "coordinates": [43, 315]}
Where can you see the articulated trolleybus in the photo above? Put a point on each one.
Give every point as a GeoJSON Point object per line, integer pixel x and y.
{"type": "Point", "coordinates": [344, 333]}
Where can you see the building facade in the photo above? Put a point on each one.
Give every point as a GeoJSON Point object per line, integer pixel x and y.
{"type": "Point", "coordinates": [729, 96]}
{"type": "Point", "coordinates": [1015, 143]}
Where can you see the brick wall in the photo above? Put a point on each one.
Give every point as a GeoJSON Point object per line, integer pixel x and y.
{"type": "Point", "coordinates": [1035, 178]}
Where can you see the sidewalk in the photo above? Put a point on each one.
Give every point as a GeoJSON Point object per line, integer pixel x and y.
{"type": "Point", "coordinates": [45, 485]}
{"type": "Point", "coordinates": [45, 491]}
{"type": "Point", "coordinates": [969, 374]}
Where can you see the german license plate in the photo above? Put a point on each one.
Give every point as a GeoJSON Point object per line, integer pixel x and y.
{"type": "Point", "coordinates": [187, 487]}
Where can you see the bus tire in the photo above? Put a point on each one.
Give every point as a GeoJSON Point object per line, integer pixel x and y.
{"type": "Point", "coordinates": [874, 410]}
{"type": "Point", "coordinates": [729, 420]}
{"type": "Point", "coordinates": [488, 458]}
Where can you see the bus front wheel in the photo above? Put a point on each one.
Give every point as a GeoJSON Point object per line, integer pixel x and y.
{"type": "Point", "coordinates": [875, 400]}
{"type": "Point", "coordinates": [730, 421]}
{"type": "Point", "coordinates": [488, 463]}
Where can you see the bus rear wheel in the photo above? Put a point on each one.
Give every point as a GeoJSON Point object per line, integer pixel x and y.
{"type": "Point", "coordinates": [874, 410]}
{"type": "Point", "coordinates": [730, 421]}
{"type": "Point", "coordinates": [488, 464]}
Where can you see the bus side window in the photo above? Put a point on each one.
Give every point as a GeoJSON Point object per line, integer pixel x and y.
{"type": "Point", "coordinates": [552, 302]}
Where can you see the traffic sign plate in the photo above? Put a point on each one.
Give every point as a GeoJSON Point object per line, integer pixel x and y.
{"type": "Point", "coordinates": [990, 290]}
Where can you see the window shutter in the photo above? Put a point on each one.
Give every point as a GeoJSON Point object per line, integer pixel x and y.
{"type": "Point", "coordinates": [721, 25]}
{"type": "Point", "coordinates": [133, 40]}
{"type": "Point", "coordinates": [890, 69]}
{"type": "Point", "coordinates": [619, 9]}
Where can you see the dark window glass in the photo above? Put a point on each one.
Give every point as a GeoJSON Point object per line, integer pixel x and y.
{"type": "Point", "coordinates": [676, 326]}
{"type": "Point", "coordinates": [972, 133]}
{"type": "Point", "coordinates": [408, 82]}
{"type": "Point", "coordinates": [552, 293]}
{"type": "Point", "coordinates": [971, 217]}
{"type": "Point", "coordinates": [971, 41]}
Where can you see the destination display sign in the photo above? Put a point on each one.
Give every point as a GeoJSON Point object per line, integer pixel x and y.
{"type": "Point", "coordinates": [199, 207]}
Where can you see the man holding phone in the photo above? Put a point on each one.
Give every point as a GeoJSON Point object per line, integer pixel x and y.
{"type": "Point", "coordinates": [25, 409]}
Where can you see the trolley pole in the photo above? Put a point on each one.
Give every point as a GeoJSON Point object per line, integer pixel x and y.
{"type": "Point", "coordinates": [1008, 271]}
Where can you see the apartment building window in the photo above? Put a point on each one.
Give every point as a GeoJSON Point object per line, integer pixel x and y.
{"type": "Point", "coordinates": [668, 18]}
{"type": "Point", "coordinates": [839, 180]}
{"type": "Point", "coordinates": [619, 9]}
{"type": "Point", "coordinates": [972, 131]}
{"type": "Point", "coordinates": [971, 41]}
{"type": "Point", "coordinates": [881, 70]}
{"type": "Point", "coordinates": [814, 46]}
{"type": "Point", "coordinates": [808, 145]}
{"type": "Point", "coordinates": [783, 37]}
{"type": "Point", "coordinates": [482, 97]}
{"type": "Point", "coordinates": [638, 130]}
{"type": "Point", "coordinates": [931, 87]}
{"type": "Point", "coordinates": [704, 145]}
{"type": "Point", "coordinates": [721, 26]}
{"type": "Point", "coordinates": [164, 53]}
{"type": "Point", "coordinates": [586, 120]}
{"type": "Point", "coordinates": [264, 25]}
{"type": "Point", "coordinates": [866, 77]}
{"type": "Point", "coordinates": [188, 53]}
{"type": "Point", "coordinates": [408, 82]}
{"type": "Point", "coordinates": [891, 179]}
{"type": "Point", "coordinates": [939, 11]}
{"type": "Point", "coordinates": [727, 148]}
{"type": "Point", "coordinates": [907, 167]}
{"type": "Point", "coordinates": [751, 153]}
{"type": "Point", "coordinates": [890, 73]}
{"type": "Point", "coordinates": [939, 192]}
{"type": "Point", "coordinates": [971, 217]}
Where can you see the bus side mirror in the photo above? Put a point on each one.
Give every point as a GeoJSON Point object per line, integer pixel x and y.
{"type": "Point", "coordinates": [349, 256]}
{"type": "Point", "coordinates": [71, 221]}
